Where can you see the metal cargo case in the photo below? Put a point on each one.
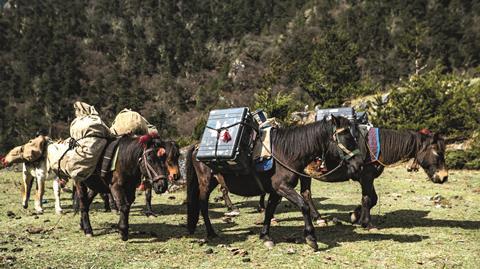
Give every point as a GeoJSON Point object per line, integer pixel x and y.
{"type": "Point", "coordinates": [347, 112]}
{"type": "Point", "coordinates": [231, 155]}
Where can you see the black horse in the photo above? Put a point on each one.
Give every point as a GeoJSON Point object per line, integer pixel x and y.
{"type": "Point", "coordinates": [137, 158]}
{"type": "Point", "coordinates": [426, 148]}
{"type": "Point", "coordinates": [294, 148]}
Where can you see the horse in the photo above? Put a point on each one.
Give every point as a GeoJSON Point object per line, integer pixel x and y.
{"type": "Point", "coordinates": [40, 172]}
{"type": "Point", "coordinates": [426, 148]}
{"type": "Point", "coordinates": [293, 149]}
{"type": "Point", "coordinates": [137, 157]}
{"type": "Point", "coordinates": [172, 153]}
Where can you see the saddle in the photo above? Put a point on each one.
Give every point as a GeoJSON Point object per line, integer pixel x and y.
{"type": "Point", "coordinates": [109, 157]}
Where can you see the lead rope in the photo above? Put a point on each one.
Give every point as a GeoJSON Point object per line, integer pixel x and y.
{"type": "Point", "coordinates": [298, 173]}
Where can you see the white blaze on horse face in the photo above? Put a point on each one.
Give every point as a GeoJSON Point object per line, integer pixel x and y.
{"type": "Point", "coordinates": [434, 152]}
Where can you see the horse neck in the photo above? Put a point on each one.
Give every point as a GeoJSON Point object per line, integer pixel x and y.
{"type": "Point", "coordinates": [130, 151]}
{"type": "Point", "coordinates": [397, 145]}
{"type": "Point", "coordinates": [300, 144]}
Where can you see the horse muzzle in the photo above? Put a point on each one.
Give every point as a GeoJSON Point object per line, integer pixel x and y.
{"type": "Point", "coordinates": [440, 177]}
{"type": "Point", "coordinates": [160, 184]}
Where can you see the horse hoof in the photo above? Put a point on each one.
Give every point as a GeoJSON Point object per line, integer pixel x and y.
{"type": "Point", "coordinates": [371, 227]}
{"type": "Point", "coordinates": [233, 213]}
{"type": "Point", "coordinates": [212, 235]}
{"type": "Point", "coordinates": [312, 243]}
{"type": "Point", "coordinates": [322, 223]}
{"type": "Point", "coordinates": [25, 206]}
{"type": "Point", "coordinates": [89, 235]}
{"type": "Point", "coordinates": [59, 212]}
{"type": "Point", "coordinates": [353, 218]}
{"type": "Point", "coordinates": [269, 244]}
{"type": "Point", "coordinates": [124, 237]}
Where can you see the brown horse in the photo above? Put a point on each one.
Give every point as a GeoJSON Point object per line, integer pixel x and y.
{"type": "Point", "coordinates": [137, 158]}
{"type": "Point", "coordinates": [294, 148]}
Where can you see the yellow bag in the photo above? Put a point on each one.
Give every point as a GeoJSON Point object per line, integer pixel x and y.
{"type": "Point", "coordinates": [129, 122]}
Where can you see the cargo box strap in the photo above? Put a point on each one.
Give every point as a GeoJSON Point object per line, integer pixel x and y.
{"type": "Point", "coordinates": [219, 130]}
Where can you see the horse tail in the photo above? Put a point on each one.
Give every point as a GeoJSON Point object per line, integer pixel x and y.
{"type": "Point", "coordinates": [193, 192]}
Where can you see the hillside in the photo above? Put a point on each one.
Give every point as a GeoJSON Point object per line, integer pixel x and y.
{"type": "Point", "coordinates": [175, 60]}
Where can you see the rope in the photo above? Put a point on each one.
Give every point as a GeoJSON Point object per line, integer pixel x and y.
{"type": "Point", "coordinates": [299, 173]}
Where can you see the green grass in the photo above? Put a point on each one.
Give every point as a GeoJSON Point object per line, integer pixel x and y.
{"type": "Point", "coordinates": [414, 232]}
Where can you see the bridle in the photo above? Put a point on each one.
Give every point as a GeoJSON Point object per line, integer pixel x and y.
{"type": "Point", "coordinates": [153, 176]}
{"type": "Point", "coordinates": [345, 155]}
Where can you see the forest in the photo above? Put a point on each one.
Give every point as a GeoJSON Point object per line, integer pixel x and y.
{"type": "Point", "coordinates": [173, 61]}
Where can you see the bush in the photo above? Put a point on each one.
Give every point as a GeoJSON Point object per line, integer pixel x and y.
{"type": "Point", "coordinates": [445, 103]}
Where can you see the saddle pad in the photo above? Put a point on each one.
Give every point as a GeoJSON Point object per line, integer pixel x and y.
{"type": "Point", "coordinates": [374, 143]}
{"type": "Point", "coordinates": [263, 147]}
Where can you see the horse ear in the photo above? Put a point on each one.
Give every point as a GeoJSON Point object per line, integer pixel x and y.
{"type": "Point", "coordinates": [436, 137]}
{"type": "Point", "coordinates": [335, 120]}
{"type": "Point", "coordinates": [161, 152]}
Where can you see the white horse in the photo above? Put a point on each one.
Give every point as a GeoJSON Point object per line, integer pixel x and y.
{"type": "Point", "coordinates": [41, 171]}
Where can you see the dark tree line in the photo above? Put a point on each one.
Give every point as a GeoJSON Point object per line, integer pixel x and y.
{"type": "Point", "coordinates": [170, 59]}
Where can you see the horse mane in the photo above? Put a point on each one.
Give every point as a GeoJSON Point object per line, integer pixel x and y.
{"type": "Point", "coordinates": [398, 145]}
{"type": "Point", "coordinates": [299, 141]}
{"type": "Point", "coordinates": [130, 149]}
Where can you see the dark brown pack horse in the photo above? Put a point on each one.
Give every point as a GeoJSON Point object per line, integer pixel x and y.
{"type": "Point", "coordinates": [172, 153]}
{"type": "Point", "coordinates": [295, 148]}
{"type": "Point", "coordinates": [427, 150]}
{"type": "Point", "coordinates": [137, 157]}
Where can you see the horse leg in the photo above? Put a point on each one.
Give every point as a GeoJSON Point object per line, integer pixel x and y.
{"type": "Point", "coordinates": [106, 202]}
{"type": "Point", "coordinates": [120, 198]}
{"type": "Point", "coordinates": [148, 199]}
{"type": "Point", "coordinates": [261, 203]}
{"type": "Point", "coordinates": [203, 200]}
{"type": "Point", "coordinates": [226, 197]}
{"type": "Point", "coordinates": [273, 201]}
{"type": "Point", "coordinates": [295, 198]}
{"type": "Point", "coordinates": [84, 205]}
{"type": "Point", "coordinates": [112, 203]}
{"type": "Point", "coordinates": [27, 187]}
{"type": "Point", "coordinates": [369, 200]}
{"type": "Point", "coordinates": [305, 187]}
{"type": "Point", "coordinates": [40, 192]}
{"type": "Point", "coordinates": [56, 193]}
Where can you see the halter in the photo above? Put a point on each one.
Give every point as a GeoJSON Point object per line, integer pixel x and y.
{"type": "Point", "coordinates": [345, 153]}
{"type": "Point", "coordinates": [153, 176]}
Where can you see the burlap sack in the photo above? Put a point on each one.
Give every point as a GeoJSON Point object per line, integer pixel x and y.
{"type": "Point", "coordinates": [129, 122]}
{"type": "Point", "coordinates": [91, 136]}
{"type": "Point", "coordinates": [30, 152]}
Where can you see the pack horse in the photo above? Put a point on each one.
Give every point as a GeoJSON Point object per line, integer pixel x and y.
{"type": "Point", "coordinates": [225, 150]}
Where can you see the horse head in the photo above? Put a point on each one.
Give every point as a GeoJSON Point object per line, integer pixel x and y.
{"type": "Point", "coordinates": [153, 161]}
{"type": "Point", "coordinates": [431, 156]}
{"type": "Point", "coordinates": [172, 155]}
{"type": "Point", "coordinates": [344, 146]}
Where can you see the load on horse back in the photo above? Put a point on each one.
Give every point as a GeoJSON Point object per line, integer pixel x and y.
{"type": "Point", "coordinates": [293, 149]}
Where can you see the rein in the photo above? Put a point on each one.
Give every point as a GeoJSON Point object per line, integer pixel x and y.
{"type": "Point", "coordinates": [349, 153]}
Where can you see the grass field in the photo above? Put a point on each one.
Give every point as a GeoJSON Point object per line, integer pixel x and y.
{"type": "Point", "coordinates": [415, 230]}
